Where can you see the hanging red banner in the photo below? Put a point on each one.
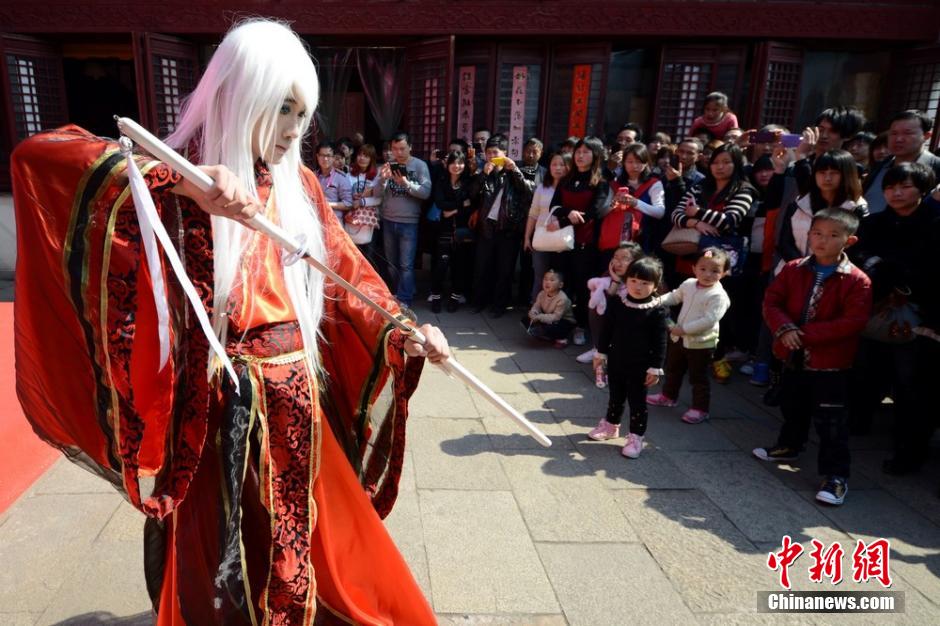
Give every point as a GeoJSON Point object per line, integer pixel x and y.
{"type": "Point", "coordinates": [468, 74]}
{"type": "Point", "coordinates": [520, 76]}
{"type": "Point", "coordinates": [580, 93]}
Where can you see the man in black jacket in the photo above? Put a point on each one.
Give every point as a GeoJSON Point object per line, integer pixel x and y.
{"type": "Point", "coordinates": [506, 195]}
{"type": "Point", "coordinates": [908, 134]}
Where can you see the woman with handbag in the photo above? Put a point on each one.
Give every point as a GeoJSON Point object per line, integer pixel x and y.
{"type": "Point", "coordinates": [638, 205]}
{"type": "Point", "coordinates": [897, 248]}
{"type": "Point", "coordinates": [361, 222]}
{"type": "Point", "coordinates": [579, 200]}
{"type": "Point", "coordinates": [717, 208]}
{"type": "Point", "coordinates": [549, 242]}
{"type": "Point", "coordinates": [454, 193]}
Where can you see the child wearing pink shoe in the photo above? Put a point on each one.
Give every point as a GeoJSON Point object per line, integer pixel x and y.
{"type": "Point", "coordinates": [633, 334]}
{"type": "Point", "coordinates": [695, 334]}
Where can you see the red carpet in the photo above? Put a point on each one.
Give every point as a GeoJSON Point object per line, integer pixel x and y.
{"type": "Point", "coordinates": [23, 456]}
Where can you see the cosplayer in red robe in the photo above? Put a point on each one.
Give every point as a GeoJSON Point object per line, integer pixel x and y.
{"type": "Point", "coordinates": [263, 506]}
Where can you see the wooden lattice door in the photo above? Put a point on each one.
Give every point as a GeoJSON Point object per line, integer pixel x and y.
{"type": "Point", "coordinates": [167, 71]}
{"type": "Point", "coordinates": [687, 74]}
{"type": "Point", "coordinates": [429, 68]}
{"type": "Point", "coordinates": [775, 85]}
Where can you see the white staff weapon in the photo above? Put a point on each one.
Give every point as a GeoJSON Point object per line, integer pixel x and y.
{"type": "Point", "coordinates": [297, 250]}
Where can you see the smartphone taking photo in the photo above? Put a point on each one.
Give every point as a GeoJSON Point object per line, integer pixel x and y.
{"type": "Point", "coordinates": [788, 140]}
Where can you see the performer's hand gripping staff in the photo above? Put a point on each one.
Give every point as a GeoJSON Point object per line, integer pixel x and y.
{"type": "Point", "coordinates": [296, 249]}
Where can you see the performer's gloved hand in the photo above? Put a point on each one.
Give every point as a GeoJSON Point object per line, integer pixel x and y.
{"type": "Point", "coordinates": [227, 197]}
{"type": "Point", "coordinates": [436, 348]}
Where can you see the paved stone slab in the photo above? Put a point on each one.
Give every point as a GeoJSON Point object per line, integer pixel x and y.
{"type": "Point", "coordinates": [570, 395]}
{"type": "Point", "coordinates": [915, 541]}
{"type": "Point", "coordinates": [653, 470]}
{"type": "Point", "coordinates": [747, 433]}
{"type": "Point", "coordinates": [481, 339]}
{"type": "Point", "coordinates": [501, 620]}
{"type": "Point", "coordinates": [404, 525]}
{"type": "Point", "coordinates": [18, 619]}
{"type": "Point", "coordinates": [480, 555]}
{"type": "Point", "coordinates": [505, 434]}
{"type": "Point", "coordinates": [735, 401]}
{"type": "Point", "coordinates": [43, 543]}
{"type": "Point", "coordinates": [497, 371]}
{"type": "Point", "coordinates": [127, 524]}
{"type": "Point", "coordinates": [918, 491]}
{"type": "Point", "coordinates": [508, 326]}
{"type": "Point", "coordinates": [67, 477]}
{"type": "Point", "coordinates": [756, 502]}
{"type": "Point", "coordinates": [709, 566]}
{"type": "Point", "coordinates": [615, 584]}
{"type": "Point", "coordinates": [438, 395]}
{"type": "Point", "coordinates": [543, 357]}
{"type": "Point", "coordinates": [115, 571]}
{"type": "Point", "coordinates": [562, 501]}
{"type": "Point", "coordinates": [666, 430]}
{"type": "Point", "coordinates": [454, 454]}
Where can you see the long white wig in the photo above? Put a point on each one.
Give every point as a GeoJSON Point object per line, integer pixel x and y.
{"type": "Point", "coordinates": [258, 65]}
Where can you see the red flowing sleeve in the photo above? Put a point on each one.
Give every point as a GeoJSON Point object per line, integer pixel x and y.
{"type": "Point", "coordinates": [362, 353]}
{"type": "Point", "coordinates": [86, 346]}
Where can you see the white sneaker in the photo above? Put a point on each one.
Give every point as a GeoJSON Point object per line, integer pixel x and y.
{"type": "Point", "coordinates": [737, 356]}
{"type": "Point", "coordinates": [633, 447]}
{"type": "Point", "coordinates": [586, 357]}
{"type": "Point", "coordinates": [579, 337]}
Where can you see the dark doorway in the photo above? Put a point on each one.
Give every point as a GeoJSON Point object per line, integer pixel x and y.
{"type": "Point", "coordinates": [97, 89]}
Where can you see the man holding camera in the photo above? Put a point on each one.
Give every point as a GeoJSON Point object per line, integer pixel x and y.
{"type": "Point", "coordinates": [507, 195]}
{"type": "Point", "coordinates": [405, 183]}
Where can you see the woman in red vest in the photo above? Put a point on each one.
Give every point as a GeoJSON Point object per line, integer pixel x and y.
{"type": "Point", "coordinates": [580, 200]}
{"type": "Point", "coordinates": [639, 204]}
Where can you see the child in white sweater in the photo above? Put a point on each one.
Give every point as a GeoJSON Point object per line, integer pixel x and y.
{"type": "Point", "coordinates": [704, 302]}
{"type": "Point", "coordinates": [551, 316]}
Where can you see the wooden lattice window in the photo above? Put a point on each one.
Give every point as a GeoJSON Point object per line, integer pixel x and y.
{"type": "Point", "coordinates": [32, 93]}
{"type": "Point", "coordinates": [173, 79]}
{"type": "Point", "coordinates": [782, 88]}
{"type": "Point", "coordinates": [429, 68]}
{"type": "Point", "coordinates": [689, 73]}
{"type": "Point", "coordinates": [922, 88]}
{"type": "Point", "coordinates": [36, 95]}
{"type": "Point", "coordinates": [432, 115]}
{"type": "Point", "coordinates": [776, 77]}
{"type": "Point", "coordinates": [683, 87]}
{"type": "Point", "coordinates": [510, 58]}
{"type": "Point", "coordinates": [170, 69]}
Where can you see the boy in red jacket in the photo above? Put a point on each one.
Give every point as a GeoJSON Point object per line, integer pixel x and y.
{"type": "Point", "coordinates": [816, 309]}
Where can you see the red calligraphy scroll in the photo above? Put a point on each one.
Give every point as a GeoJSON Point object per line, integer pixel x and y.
{"type": "Point", "coordinates": [580, 93]}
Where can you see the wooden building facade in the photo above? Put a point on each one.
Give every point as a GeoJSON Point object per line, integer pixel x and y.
{"type": "Point", "coordinates": [546, 68]}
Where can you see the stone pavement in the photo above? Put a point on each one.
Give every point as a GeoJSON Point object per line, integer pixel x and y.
{"type": "Point", "coordinates": [498, 530]}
